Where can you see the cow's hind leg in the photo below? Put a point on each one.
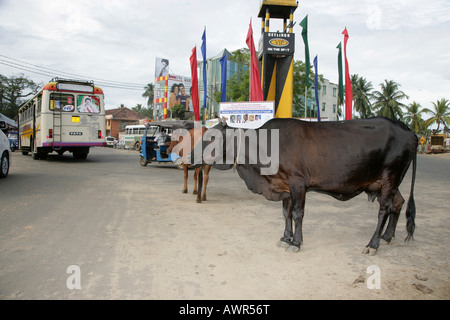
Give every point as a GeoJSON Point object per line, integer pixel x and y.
{"type": "Point", "coordinates": [286, 240]}
{"type": "Point", "coordinates": [389, 234]}
{"type": "Point", "coordinates": [386, 201]}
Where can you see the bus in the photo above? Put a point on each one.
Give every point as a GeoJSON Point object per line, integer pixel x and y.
{"type": "Point", "coordinates": [131, 137]}
{"type": "Point", "coordinates": [66, 115]}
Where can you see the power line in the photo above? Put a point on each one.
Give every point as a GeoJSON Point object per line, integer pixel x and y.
{"type": "Point", "coordinates": [29, 67]}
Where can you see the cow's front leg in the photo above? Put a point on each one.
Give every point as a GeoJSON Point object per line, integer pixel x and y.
{"type": "Point", "coordinates": [286, 240]}
{"type": "Point", "coordinates": [298, 208]}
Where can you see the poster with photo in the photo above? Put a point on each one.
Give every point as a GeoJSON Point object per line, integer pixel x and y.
{"type": "Point", "coordinates": [88, 104]}
{"type": "Point", "coordinates": [161, 67]}
{"type": "Point", "coordinates": [247, 115]}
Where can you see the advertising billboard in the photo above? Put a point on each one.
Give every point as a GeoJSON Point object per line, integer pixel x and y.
{"type": "Point", "coordinates": [247, 115]}
{"type": "Point", "coordinates": [171, 90]}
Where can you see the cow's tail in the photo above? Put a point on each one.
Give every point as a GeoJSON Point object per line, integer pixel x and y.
{"type": "Point", "coordinates": [411, 208]}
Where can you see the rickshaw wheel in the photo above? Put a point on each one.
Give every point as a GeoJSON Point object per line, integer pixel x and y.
{"type": "Point", "coordinates": [143, 162]}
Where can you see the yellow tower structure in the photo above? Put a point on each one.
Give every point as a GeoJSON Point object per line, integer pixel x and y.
{"type": "Point", "coordinates": [276, 55]}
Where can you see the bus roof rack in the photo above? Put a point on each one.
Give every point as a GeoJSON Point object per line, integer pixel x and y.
{"type": "Point", "coordinates": [61, 80]}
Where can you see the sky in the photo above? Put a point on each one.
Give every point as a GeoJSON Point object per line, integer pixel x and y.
{"type": "Point", "coordinates": [116, 42]}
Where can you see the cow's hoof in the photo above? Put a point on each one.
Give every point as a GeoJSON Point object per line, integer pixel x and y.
{"type": "Point", "coordinates": [370, 251]}
{"type": "Point", "coordinates": [184, 191]}
{"type": "Point", "coordinates": [293, 249]}
{"type": "Point", "coordinates": [194, 192]}
{"type": "Point", "coordinates": [282, 244]}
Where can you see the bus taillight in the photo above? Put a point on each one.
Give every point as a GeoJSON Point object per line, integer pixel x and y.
{"type": "Point", "coordinates": [99, 134]}
{"type": "Point", "coordinates": [50, 133]}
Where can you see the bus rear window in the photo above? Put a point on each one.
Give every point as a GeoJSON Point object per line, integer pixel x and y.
{"type": "Point", "coordinates": [61, 102]}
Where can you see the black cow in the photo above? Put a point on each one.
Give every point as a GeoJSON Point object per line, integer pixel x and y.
{"type": "Point", "coordinates": [341, 159]}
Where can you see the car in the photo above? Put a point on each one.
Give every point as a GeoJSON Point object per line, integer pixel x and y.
{"type": "Point", "coordinates": [110, 142]}
{"type": "Point", "coordinates": [5, 151]}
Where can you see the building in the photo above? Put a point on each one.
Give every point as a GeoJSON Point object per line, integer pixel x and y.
{"type": "Point", "coordinates": [328, 99]}
{"type": "Point", "coordinates": [214, 80]}
{"type": "Point", "coordinates": [117, 119]}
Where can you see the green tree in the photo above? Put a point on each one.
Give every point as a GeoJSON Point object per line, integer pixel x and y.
{"type": "Point", "coordinates": [138, 108]}
{"type": "Point", "coordinates": [149, 93]}
{"type": "Point", "coordinates": [413, 117]}
{"type": "Point", "coordinates": [239, 84]}
{"type": "Point", "coordinates": [178, 111]}
{"type": "Point", "coordinates": [440, 114]}
{"type": "Point", "coordinates": [361, 96]}
{"type": "Point", "coordinates": [298, 104]}
{"type": "Point", "coordinates": [13, 91]}
{"type": "Point", "coordinates": [387, 101]}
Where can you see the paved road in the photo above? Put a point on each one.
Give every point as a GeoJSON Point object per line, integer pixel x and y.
{"type": "Point", "coordinates": [122, 231]}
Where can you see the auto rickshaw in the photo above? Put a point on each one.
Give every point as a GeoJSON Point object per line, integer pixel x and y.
{"type": "Point", "coordinates": [149, 148]}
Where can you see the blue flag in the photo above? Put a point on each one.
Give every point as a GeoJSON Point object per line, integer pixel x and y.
{"type": "Point", "coordinates": [223, 64]}
{"type": "Point", "coordinates": [316, 88]}
{"type": "Point", "coordinates": [204, 67]}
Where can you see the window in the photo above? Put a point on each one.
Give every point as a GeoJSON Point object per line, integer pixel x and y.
{"type": "Point", "coordinates": [38, 106]}
{"type": "Point", "coordinates": [334, 108]}
{"type": "Point", "coordinates": [324, 90]}
{"type": "Point", "coordinates": [61, 102]}
{"type": "Point", "coordinates": [323, 106]}
{"type": "Point", "coordinates": [334, 92]}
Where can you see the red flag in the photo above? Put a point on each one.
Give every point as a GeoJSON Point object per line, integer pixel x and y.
{"type": "Point", "coordinates": [348, 82]}
{"type": "Point", "coordinates": [256, 93]}
{"type": "Point", "coordinates": [195, 101]}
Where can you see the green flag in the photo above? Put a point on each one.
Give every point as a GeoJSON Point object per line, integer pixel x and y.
{"type": "Point", "coordinates": [304, 25]}
{"type": "Point", "coordinates": [341, 82]}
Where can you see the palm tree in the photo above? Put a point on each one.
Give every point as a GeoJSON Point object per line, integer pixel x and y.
{"type": "Point", "coordinates": [440, 114]}
{"type": "Point", "coordinates": [149, 94]}
{"type": "Point", "coordinates": [361, 94]}
{"type": "Point", "coordinates": [387, 101]}
{"type": "Point", "coordinates": [413, 117]}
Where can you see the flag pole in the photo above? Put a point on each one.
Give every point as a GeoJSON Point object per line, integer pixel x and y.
{"type": "Point", "coordinates": [306, 90]}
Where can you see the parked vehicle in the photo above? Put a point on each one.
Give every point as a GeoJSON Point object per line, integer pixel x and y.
{"type": "Point", "coordinates": [110, 142]}
{"type": "Point", "coordinates": [5, 151]}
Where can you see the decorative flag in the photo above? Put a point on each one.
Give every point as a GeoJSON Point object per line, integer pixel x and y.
{"type": "Point", "coordinates": [194, 77]}
{"type": "Point", "coordinates": [304, 25]}
{"type": "Point", "coordinates": [348, 82]}
{"type": "Point", "coordinates": [341, 82]}
{"type": "Point", "coordinates": [223, 64]}
{"type": "Point", "coordinates": [316, 87]}
{"type": "Point", "coordinates": [204, 67]}
{"type": "Point", "coordinates": [256, 93]}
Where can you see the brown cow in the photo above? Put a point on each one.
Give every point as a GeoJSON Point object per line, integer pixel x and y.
{"type": "Point", "coordinates": [341, 159]}
{"type": "Point", "coordinates": [199, 180]}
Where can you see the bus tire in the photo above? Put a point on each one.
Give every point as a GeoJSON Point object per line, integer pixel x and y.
{"type": "Point", "coordinates": [4, 165]}
{"type": "Point", "coordinates": [137, 146]}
